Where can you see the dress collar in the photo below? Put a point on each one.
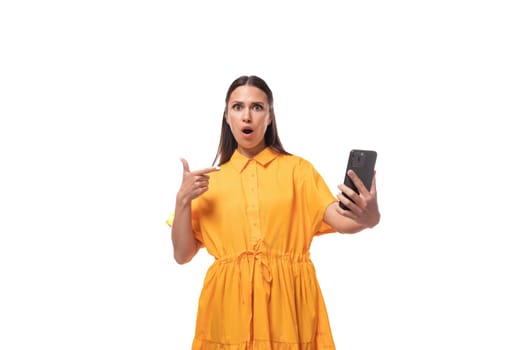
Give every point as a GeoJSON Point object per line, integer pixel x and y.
{"type": "Point", "coordinates": [239, 161]}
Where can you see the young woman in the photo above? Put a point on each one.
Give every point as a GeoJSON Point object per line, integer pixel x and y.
{"type": "Point", "coordinates": [257, 215]}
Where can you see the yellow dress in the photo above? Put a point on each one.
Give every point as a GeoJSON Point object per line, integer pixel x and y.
{"type": "Point", "coordinates": [258, 219]}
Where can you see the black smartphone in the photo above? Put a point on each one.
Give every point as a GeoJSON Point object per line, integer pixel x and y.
{"type": "Point", "coordinates": [363, 163]}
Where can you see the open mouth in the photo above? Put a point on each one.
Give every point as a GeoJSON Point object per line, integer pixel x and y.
{"type": "Point", "coordinates": [247, 131]}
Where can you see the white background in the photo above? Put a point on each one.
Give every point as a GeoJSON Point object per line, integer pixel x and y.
{"type": "Point", "coordinates": [100, 99]}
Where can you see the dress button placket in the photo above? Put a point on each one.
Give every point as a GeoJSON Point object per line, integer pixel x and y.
{"type": "Point", "coordinates": [253, 200]}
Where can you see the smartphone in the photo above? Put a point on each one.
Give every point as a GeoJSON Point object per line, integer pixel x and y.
{"type": "Point", "coordinates": [363, 163]}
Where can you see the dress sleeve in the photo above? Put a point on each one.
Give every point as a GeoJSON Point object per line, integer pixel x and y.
{"type": "Point", "coordinates": [318, 197]}
{"type": "Point", "coordinates": [195, 223]}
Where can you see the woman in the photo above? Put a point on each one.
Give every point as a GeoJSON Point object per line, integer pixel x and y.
{"type": "Point", "coordinates": [257, 215]}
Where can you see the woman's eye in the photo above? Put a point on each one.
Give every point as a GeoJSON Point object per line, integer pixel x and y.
{"type": "Point", "coordinates": [258, 107]}
{"type": "Point", "coordinates": [236, 107]}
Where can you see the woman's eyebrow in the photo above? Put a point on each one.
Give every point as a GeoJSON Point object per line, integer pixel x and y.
{"type": "Point", "coordinates": [250, 102]}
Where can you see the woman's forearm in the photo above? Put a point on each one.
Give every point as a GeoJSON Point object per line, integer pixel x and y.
{"type": "Point", "coordinates": [185, 245]}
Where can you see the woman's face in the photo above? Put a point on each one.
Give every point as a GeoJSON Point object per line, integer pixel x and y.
{"type": "Point", "coordinates": [248, 116]}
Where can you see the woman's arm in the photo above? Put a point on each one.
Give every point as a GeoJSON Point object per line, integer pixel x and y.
{"type": "Point", "coordinates": [363, 213]}
{"type": "Point", "coordinates": [185, 246]}
{"type": "Point", "coordinates": [194, 183]}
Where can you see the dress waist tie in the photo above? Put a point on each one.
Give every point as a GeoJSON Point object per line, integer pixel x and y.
{"type": "Point", "coordinates": [255, 257]}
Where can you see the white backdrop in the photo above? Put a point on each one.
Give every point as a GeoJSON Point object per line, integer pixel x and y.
{"type": "Point", "coordinates": [100, 99]}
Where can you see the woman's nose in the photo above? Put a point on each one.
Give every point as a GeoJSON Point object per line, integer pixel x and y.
{"type": "Point", "coordinates": [247, 116]}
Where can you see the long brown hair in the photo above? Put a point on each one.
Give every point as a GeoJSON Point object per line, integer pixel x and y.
{"type": "Point", "coordinates": [227, 143]}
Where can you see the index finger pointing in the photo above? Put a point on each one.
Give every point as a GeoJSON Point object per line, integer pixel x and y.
{"type": "Point", "coordinates": [206, 170]}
